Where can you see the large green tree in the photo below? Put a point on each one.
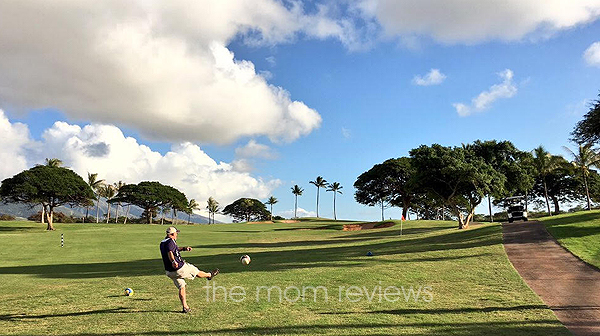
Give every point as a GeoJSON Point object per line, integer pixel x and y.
{"type": "Point", "coordinates": [457, 176]}
{"type": "Point", "coordinates": [585, 158]}
{"type": "Point", "coordinates": [247, 209]}
{"type": "Point", "coordinates": [391, 183]}
{"type": "Point", "coordinates": [545, 163]}
{"type": "Point", "coordinates": [319, 182]}
{"type": "Point", "coordinates": [150, 196]}
{"type": "Point", "coordinates": [50, 186]}
{"type": "Point", "coordinates": [588, 129]}
{"type": "Point", "coordinates": [514, 164]}
{"type": "Point", "coordinates": [560, 185]}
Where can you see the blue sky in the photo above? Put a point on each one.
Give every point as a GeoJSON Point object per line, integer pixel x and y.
{"type": "Point", "coordinates": [360, 104]}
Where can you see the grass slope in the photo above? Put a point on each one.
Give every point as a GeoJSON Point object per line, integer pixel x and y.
{"type": "Point", "coordinates": [77, 290]}
{"type": "Point", "coordinates": [579, 232]}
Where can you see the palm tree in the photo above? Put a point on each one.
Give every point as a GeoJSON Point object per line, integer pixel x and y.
{"type": "Point", "coordinates": [118, 187]}
{"type": "Point", "coordinates": [213, 208]}
{"type": "Point", "coordinates": [54, 162]}
{"type": "Point", "coordinates": [94, 183]}
{"type": "Point", "coordinates": [585, 158]}
{"type": "Point", "coordinates": [297, 191]}
{"type": "Point", "coordinates": [319, 182]}
{"type": "Point", "coordinates": [545, 163]}
{"type": "Point", "coordinates": [272, 200]}
{"type": "Point", "coordinates": [191, 206]}
{"type": "Point", "coordinates": [335, 187]}
{"type": "Point", "coordinates": [108, 192]}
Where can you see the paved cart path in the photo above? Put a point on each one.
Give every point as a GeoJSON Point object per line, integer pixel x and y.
{"type": "Point", "coordinates": [569, 286]}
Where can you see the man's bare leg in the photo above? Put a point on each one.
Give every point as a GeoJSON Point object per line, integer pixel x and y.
{"type": "Point", "coordinates": [183, 298]}
{"type": "Point", "coordinates": [203, 274]}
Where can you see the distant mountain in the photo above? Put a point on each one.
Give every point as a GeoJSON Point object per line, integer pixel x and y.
{"type": "Point", "coordinates": [24, 211]}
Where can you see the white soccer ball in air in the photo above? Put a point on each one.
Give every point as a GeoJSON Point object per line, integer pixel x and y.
{"type": "Point", "coordinates": [245, 259]}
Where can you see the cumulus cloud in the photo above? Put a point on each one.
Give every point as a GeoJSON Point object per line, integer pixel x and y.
{"type": "Point", "coordinates": [105, 150]}
{"type": "Point", "coordinates": [474, 21]}
{"type": "Point", "coordinates": [162, 68]}
{"type": "Point", "coordinates": [592, 54]}
{"type": "Point", "coordinates": [300, 213]}
{"type": "Point", "coordinates": [14, 145]}
{"type": "Point", "coordinates": [483, 101]}
{"type": "Point", "coordinates": [433, 77]}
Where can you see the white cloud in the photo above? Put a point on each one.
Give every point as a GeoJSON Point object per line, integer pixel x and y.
{"type": "Point", "coordinates": [271, 60]}
{"type": "Point", "coordinates": [483, 101]}
{"type": "Point", "coordinates": [14, 144]}
{"type": "Point", "coordinates": [592, 54]}
{"type": "Point", "coordinates": [433, 77]}
{"type": "Point", "coordinates": [300, 213]}
{"type": "Point", "coordinates": [346, 133]}
{"type": "Point", "coordinates": [474, 21]}
{"type": "Point", "coordinates": [103, 149]}
{"type": "Point", "coordinates": [255, 149]}
{"type": "Point", "coordinates": [162, 68]}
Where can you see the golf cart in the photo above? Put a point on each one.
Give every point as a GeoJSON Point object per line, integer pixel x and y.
{"type": "Point", "coordinates": [515, 208]}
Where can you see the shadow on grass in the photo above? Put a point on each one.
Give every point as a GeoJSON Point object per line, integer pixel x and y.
{"type": "Point", "coordinates": [573, 219]}
{"type": "Point", "coordinates": [442, 310]}
{"type": "Point", "coordinates": [530, 327]}
{"type": "Point", "coordinates": [4, 229]}
{"type": "Point", "coordinates": [348, 255]}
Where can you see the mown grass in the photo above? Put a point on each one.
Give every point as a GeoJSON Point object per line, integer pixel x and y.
{"type": "Point", "coordinates": [78, 289]}
{"type": "Point", "coordinates": [578, 232]}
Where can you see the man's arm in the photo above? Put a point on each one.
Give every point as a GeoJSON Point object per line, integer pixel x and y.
{"type": "Point", "coordinates": [172, 258]}
{"type": "Point", "coordinates": [186, 248]}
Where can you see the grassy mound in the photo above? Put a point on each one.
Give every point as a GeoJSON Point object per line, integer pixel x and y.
{"type": "Point", "coordinates": [579, 232]}
{"type": "Point", "coordinates": [438, 280]}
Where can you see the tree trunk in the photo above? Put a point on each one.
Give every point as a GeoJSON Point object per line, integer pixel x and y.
{"type": "Point", "coordinates": [117, 213]}
{"type": "Point", "coordinates": [108, 213]}
{"type": "Point", "coordinates": [526, 203]}
{"type": "Point", "coordinates": [405, 210]}
{"type": "Point", "coordinates": [43, 214]}
{"type": "Point", "coordinates": [546, 194]}
{"type": "Point", "coordinates": [271, 212]}
{"type": "Point", "coordinates": [49, 216]}
{"type": "Point", "coordinates": [296, 207]}
{"type": "Point", "coordinates": [556, 205]}
{"type": "Point", "coordinates": [382, 217]}
{"type": "Point", "coordinates": [189, 217]}
{"type": "Point", "coordinates": [87, 210]}
{"type": "Point", "coordinates": [97, 209]}
{"type": "Point", "coordinates": [334, 215]}
{"type": "Point", "coordinates": [127, 216]}
{"type": "Point", "coordinates": [318, 202]}
{"type": "Point", "coordinates": [587, 193]}
{"type": "Point", "coordinates": [149, 215]}
{"type": "Point", "coordinates": [490, 208]}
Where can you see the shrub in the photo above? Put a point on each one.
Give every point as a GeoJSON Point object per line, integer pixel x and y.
{"type": "Point", "coordinates": [6, 217]}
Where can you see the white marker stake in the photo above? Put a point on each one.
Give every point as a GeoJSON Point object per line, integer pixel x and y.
{"type": "Point", "coordinates": [401, 221]}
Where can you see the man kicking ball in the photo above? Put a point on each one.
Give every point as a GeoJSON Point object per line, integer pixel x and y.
{"type": "Point", "coordinates": [176, 268]}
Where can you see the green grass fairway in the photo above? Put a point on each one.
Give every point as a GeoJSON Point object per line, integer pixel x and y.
{"type": "Point", "coordinates": [579, 232]}
{"type": "Point", "coordinates": [78, 289]}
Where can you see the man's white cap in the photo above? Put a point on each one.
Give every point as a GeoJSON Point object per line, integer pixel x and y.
{"type": "Point", "coordinates": [172, 229]}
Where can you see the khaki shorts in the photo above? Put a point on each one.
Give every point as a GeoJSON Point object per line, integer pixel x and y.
{"type": "Point", "coordinates": [188, 271]}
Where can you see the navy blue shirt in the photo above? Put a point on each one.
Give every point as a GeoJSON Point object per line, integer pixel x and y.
{"type": "Point", "coordinates": [166, 245]}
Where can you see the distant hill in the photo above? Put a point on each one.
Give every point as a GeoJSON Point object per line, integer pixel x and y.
{"type": "Point", "coordinates": [24, 211]}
